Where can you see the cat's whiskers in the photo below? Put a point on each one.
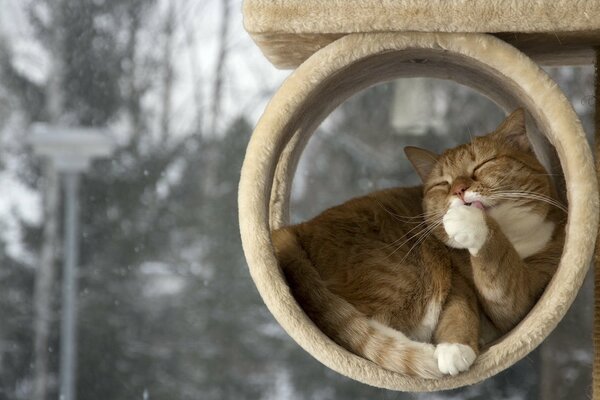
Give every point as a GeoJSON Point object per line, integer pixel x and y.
{"type": "Point", "coordinates": [506, 190]}
{"type": "Point", "coordinates": [435, 215]}
{"type": "Point", "coordinates": [517, 194]}
{"type": "Point", "coordinates": [409, 219]}
{"type": "Point", "coordinates": [534, 198]}
{"type": "Point", "coordinates": [471, 141]}
{"type": "Point", "coordinates": [423, 233]}
{"type": "Point", "coordinates": [395, 242]}
{"type": "Point", "coordinates": [401, 216]}
{"type": "Point", "coordinates": [421, 239]}
{"type": "Point", "coordinates": [547, 174]}
{"type": "Point", "coordinates": [398, 246]}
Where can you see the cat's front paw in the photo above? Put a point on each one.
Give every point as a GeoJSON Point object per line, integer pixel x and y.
{"type": "Point", "coordinates": [453, 358]}
{"type": "Point", "coordinates": [466, 228]}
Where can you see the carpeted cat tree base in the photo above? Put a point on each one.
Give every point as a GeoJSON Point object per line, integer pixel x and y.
{"type": "Point", "coordinates": [355, 62]}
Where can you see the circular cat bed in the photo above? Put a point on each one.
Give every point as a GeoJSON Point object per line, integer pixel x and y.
{"type": "Point", "coordinates": [356, 62]}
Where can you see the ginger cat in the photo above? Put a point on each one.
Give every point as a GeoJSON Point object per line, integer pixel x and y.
{"type": "Point", "coordinates": [406, 277]}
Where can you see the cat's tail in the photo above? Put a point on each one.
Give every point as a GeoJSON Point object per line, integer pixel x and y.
{"type": "Point", "coordinates": [343, 323]}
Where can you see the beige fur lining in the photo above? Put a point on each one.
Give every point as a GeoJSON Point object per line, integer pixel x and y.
{"type": "Point", "coordinates": [355, 62]}
{"type": "Point", "coordinates": [332, 16]}
{"type": "Point", "coordinates": [288, 31]}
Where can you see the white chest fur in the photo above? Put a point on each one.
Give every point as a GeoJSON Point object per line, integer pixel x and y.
{"type": "Point", "coordinates": [528, 231]}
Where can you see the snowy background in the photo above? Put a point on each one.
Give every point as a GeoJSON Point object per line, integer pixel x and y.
{"type": "Point", "coordinates": [167, 309]}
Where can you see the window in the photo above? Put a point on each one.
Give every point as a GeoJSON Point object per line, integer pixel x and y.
{"type": "Point", "coordinates": [166, 308]}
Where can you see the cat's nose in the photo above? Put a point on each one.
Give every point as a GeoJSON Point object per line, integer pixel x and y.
{"type": "Point", "coordinates": [459, 189]}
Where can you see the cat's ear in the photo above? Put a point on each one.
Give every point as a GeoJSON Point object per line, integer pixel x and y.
{"type": "Point", "coordinates": [513, 130]}
{"type": "Point", "coordinates": [422, 160]}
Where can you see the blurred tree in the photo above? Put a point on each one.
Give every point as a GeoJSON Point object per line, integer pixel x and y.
{"type": "Point", "coordinates": [167, 307]}
{"type": "Point", "coordinates": [16, 336]}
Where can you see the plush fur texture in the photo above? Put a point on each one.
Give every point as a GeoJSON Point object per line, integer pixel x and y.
{"type": "Point", "coordinates": [329, 16]}
{"type": "Point", "coordinates": [339, 70]}
{"type": "Point", "coordinates": [387, 274]}
{"type": "Point", "coordinates": [288, 31]}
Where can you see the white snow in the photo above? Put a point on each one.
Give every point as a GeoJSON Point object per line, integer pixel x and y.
{"type": "Point", "coordinates": [17, 203]}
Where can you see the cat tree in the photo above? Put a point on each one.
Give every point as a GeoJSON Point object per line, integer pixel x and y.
{"type": "Point", "coordinates": [340, 47]}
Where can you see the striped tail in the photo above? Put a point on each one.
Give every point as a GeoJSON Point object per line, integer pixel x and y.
{"type": "Point", "coordinates": [343, 323]}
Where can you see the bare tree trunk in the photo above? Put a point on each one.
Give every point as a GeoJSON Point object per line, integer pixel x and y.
{"type": "Point", "coordinates": [133, 95]}
{"type": "Point", "coordinates": [190, 38]}
{"type": "Point", "coordinates": [43, 284]}
{"type": "Point", "coordinates": [55, 99]}
{"type": "Point", "coordinates": [220, 67]}
{"type": "Point", "coordinates": [167, 73]}
{"type": "Point", "coordinates": [42, 296]}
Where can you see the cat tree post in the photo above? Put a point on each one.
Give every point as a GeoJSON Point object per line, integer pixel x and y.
{"type": "Point", "coordinates": [342, 47]}
{"type": "Point", "coordinates": [596, 374]}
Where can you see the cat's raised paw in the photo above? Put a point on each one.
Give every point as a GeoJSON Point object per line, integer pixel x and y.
{"type": "Point", "coordinates": [466, 228]}
{"type": "Point", "coordinates": [453, 358]}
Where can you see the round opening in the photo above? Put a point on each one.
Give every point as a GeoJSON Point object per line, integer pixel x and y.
{"type": "Point", "coordinates": [358, 149]}
{"type": "Point", "coordinates": [356, 62]}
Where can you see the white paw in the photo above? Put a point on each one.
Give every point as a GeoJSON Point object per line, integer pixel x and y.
{"type": "Point", "coordinates": [466, 228]}
{"type": "Point", "coordinates": [453, 358]}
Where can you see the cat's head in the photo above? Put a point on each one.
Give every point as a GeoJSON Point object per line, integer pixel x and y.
{"type": "Point", "coordinates": [498, 173]}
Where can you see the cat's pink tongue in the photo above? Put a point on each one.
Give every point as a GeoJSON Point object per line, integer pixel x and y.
{"type": "Point", "coordinates": [477, 204]}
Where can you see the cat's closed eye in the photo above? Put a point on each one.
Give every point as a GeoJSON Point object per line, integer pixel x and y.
{"type": "Point", "coordinates": [439, 185]}
{"type": "Point", "coordinates": [479, 168]}
{"type": "Point", "coordinates": [483, 163]}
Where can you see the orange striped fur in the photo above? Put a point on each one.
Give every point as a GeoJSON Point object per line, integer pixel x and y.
{"type": "Point", "coordinates": [406, 277]}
